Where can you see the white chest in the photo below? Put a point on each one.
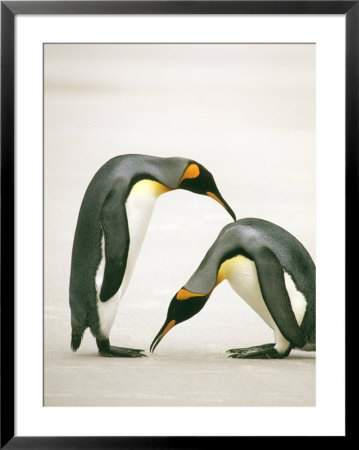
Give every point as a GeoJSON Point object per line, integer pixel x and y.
{"type": "Point", "coordinates": [242, 275]}
{"type": "Point", "coordinates": [139, 208]}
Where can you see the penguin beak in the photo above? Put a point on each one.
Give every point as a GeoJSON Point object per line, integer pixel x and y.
{"type": "Point", "coordinates": [163, 331]}
{"type": "Point", "coordinates": [218, 197]}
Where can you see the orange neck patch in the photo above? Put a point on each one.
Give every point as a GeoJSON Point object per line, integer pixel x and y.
{"type": "Point", "coordinates": [192, 171]}
{"type": "Point", "coordinates": [145, 186]}
{"type": "Point", "coordinates": [226, 268]}
{"type": "Point", "coordinates": [183, 294]}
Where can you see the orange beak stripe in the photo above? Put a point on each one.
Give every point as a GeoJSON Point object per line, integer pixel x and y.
{"type": "Point", "coordinates": [192, 171]}
{"type": "Point", "coordinates": [215, 198]}
{"type": "Point", "coordinates": [183, 294]}
{"type": "Point", "coordinates": [167, 329]}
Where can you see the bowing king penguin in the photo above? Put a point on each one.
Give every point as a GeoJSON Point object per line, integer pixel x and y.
{"type": "Point", "coordinates": [111, 226]}
{"type": "Point", "coordinates": [269, 269]}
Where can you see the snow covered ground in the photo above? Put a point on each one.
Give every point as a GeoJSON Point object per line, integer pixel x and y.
{"type": "Point", "coordinates": [246, 112]}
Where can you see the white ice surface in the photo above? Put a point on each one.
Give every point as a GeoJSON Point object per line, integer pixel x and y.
{"type": "Point", "coordinates": [247, 113]}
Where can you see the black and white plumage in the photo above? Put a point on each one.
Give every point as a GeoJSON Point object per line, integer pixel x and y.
{"type": "Point", "coordinates": [271, 270]}
{"type": "Point", "coordinates": [112, 223]}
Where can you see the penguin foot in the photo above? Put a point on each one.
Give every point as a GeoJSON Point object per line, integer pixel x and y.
{"type": "Point", "coordinates": [121, 352]}
{"type": "Point", "coordinates": [266, 351]}
{"type": "Point", "coordinates": [250, 349]}
{"type": "Point", "coordinates": [110, 351]}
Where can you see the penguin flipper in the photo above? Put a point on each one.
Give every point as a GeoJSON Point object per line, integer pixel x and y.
{"type": "Point", "coordinates": [275, 295]}
{"type": "Point", "coordinates": [117, 239]}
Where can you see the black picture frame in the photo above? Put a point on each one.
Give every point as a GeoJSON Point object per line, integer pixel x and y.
{"type": "Point", "coordinates": [9, 10]}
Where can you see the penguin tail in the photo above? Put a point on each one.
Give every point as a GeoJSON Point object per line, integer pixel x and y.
{"type": "Point", "coordinates": [79, 323]}
{"type": "Point", "coordinates": [309, 347]}
{"type": "Point", "coordinates": [310, 344]}
{"type": "Point", "coordinates": [76, 338]}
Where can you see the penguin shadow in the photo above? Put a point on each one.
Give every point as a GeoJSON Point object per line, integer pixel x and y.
{"type": "Point", "coordinates": [300, 356]}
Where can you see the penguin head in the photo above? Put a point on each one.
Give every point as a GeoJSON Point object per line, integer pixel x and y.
{"type": "Point", "coordinates": [183, 306]}
{"type": "Point", "coordinates": [196, 178]}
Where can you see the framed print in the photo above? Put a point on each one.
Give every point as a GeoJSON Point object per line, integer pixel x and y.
{"type": "Point", "coordinates": [244, 115]}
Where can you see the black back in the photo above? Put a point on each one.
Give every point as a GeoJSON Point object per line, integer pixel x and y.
{"type": "Point", "coordinates": [264, 243]}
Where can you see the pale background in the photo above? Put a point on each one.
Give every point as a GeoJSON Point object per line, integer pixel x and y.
{"type": "Point", "coordinates": [247, 112]}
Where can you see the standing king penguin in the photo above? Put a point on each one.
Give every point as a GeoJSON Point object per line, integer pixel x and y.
{"type": "Point", "coordinates": [112, 222]}
{"type": "Point", "coordinates": [271, 270]}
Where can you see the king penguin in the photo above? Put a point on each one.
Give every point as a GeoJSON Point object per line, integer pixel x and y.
{"type": "Point", "coordinates": [112, 222]}
{"type": "Point", "coordinates": [269, 269]}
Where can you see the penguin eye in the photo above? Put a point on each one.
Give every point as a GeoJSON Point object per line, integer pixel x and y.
{"type": "Point", "coordinates": [192, 171]}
